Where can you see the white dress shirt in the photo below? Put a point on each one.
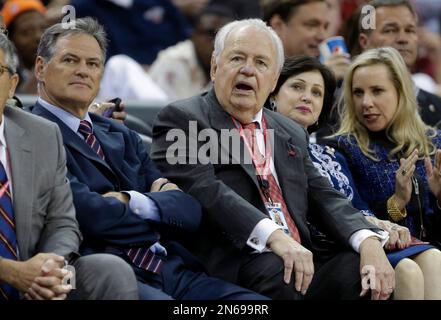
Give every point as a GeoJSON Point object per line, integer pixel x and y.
{"type": "Point", "coordinates": [261, 232]}
{"type": "Point", "coordinates": [4, 153]}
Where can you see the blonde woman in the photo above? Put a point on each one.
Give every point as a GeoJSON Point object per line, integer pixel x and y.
{"type": "Point", "coordinates": [394, 157]}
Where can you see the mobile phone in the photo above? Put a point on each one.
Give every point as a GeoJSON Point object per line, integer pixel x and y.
{"type": "Point", "coordinates": [117, 107]}
{"type": "Point", "coordinates": [331, 45]}
{"type": "Point", "coordinates": [117, 102]}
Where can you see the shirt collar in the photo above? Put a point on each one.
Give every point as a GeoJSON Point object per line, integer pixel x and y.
{"type": "Point", "coordinates": [2, 132]}
{"type": "Point", "coordinates": [258, 118]}
{"type": "Point", "coordinates": [68, 118]}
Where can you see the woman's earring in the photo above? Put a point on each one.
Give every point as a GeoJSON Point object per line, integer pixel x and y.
{"type": "Point", "coordinates": [273, 105]}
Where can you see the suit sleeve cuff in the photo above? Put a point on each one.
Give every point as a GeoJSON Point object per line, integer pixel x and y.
{"type": "Point", "coordinates": [143, 206]}
{"type": "Point", "coordinates": [260, 234]}
{"type": "Point", "coordinates": [359, 236]}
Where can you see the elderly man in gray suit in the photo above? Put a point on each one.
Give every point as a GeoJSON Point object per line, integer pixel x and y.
{"type": "Point", "coordinates": [255, 227]}
{"type": "Point", "coordinates": [38, 230]}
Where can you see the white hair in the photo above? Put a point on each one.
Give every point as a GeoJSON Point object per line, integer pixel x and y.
{"type": "Point", "coordinates": [219, 42]}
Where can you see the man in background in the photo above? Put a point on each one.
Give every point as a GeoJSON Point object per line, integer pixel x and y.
{"type": "Point", "coordinates": [302, 25]}
{"type": "Point", "coordinates": [397, 26]}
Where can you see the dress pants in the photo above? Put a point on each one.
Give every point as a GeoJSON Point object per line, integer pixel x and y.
{"type": "Point", "coordinates": [181, 283]}
{"type": "Point", "coordinates": [103, 277]}
{"type": "Point", "coordinates": [147, 292]}
{"type": "Point", "coordinates": [335, 277]}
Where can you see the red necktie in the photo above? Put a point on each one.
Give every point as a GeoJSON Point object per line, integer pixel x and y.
{"type": "Point", "coordinates": [274, 191]}
{"type": "Point", "coordinates": [86, 130]}
{"type": "Point", "coordinates": [8, 239]}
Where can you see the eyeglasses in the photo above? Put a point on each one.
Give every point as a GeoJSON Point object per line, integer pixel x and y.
{"type": "Point", "coordinates": [4, 69]}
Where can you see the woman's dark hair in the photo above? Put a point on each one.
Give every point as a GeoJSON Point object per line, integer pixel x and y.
{"type": "Point", "coordinates": [299, 64]}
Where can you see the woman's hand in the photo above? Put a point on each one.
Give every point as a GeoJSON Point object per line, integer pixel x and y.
{"type": "Point", "coordinates": [399, 236]}
{"type": "Point", "coordinates": [403, 179]}
{"type": "Point", "coordinates": [433, 174]}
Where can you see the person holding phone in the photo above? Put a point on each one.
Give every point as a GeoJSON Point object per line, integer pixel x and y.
{"type": "Point", "coordinates": [124, 206]}
{"type": "Point", "coordinates": [303, 26]}
{"type": "Point", "coordinates": [113, 108]}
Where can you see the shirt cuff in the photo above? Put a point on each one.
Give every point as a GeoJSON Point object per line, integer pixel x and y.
{"type": "Point", "coordinates": [143, 206]}
{"type": "Point", "coordinates": [359, 236]}
{"type": "Point", "coordinates": [260, 234]}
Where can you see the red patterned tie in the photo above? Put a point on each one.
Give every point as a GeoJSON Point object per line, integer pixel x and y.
{"type": "Point", "coordinates": [86, 130]}
{"type": "Point", "coordinates": [273, 188]}
{"type": "Point", "coordinates": [8, 239]}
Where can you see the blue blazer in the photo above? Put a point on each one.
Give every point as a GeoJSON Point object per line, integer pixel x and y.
{"type": "Point", "coordinates": [107, 222]}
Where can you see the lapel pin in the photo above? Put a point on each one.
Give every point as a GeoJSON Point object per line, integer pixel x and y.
{"type": "Point", "coordinates": [291, 152]}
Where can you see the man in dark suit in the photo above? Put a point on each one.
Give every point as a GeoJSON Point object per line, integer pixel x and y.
{"type": "Point", "coordinates": [396, 26]}
{"type": "Point", "coordinates": [123, 205]}
{"type": "Point", "coordinates": [38, 229]}
{"type": "Point", "coordinates": [241, 239]}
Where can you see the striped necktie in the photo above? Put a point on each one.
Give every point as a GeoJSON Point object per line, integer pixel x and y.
{"type": "Point", "coordinates": [143, 258]}
{"type": "Point", "coordinates": [8, 239]}
{"type": "Point", "coordinates": [273, 188]}
{"type": "Point", "coordinates": [85, 129]}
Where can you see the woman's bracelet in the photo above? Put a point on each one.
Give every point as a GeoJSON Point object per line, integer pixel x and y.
{"type": "Point", "coordinates": [394, 212]}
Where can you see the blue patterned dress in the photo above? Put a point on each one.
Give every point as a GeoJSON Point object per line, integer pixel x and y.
{"type": "Point", "coordinates": [333, 165]}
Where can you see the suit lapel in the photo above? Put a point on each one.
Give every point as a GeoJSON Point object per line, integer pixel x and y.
{"type": "Point", "coordinates": [112, 144]}
{"type": "Point", "coordinates": [221, 120]}
{"type": "Point", "coordinates": [284, 151]}
{"type": "Point", "coordinates": [71, 139]}
{"type": "Point", "coordinates": [283, 144]}
{"type": "Point", "coordinates": [22, 167]}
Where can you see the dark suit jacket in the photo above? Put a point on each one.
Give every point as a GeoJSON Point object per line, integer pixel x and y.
{"type": "Point", "coordinates": [106, 222]}
{"type": "Point", "coordinates": [229, 192]}
{"type": "Point", "coordinates": [430, 108]}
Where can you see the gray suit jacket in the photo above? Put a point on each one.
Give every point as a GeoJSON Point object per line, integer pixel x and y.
{"type": "Point", "coordinates": [229, 192]}
{"type": "Point", "coordinates": [42, 199]}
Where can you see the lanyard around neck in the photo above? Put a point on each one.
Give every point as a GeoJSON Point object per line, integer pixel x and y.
{"type": "Point", "coordinates": [263, 169]}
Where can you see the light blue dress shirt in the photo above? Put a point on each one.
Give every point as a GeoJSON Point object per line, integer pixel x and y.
{"type": "Point", "coordinates": [139, 203]}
